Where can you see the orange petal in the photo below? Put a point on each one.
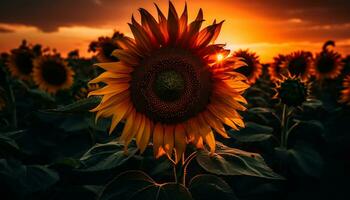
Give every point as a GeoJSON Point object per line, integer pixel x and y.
{"type": "Point", "coordinates": [110, 89]}
{"type": "Point", "coordinates": [173, 23]}
{"type": "Point", "coordinates": [126, 57]}
{"type": "Point", "coordinates": [168, 139]}
{"type": "Point", "coordinates": [180, 141]}
{"type": "Point", "coordinates": [158, 139]}
{"type": "Point", "coordinates": [128, 126]}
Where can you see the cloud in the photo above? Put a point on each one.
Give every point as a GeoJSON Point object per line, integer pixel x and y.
{"type": "Point", "coordinates": [48, 16]}
{"type": "Point", "coordinates": [5, 30]}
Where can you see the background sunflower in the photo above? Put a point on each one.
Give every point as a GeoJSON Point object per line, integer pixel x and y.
{"type": "Point", "coordinates": [167, 87]}
{"type": "Point", "coordinates": [20, 62]}
{"type": "Point", "coordinates": [252, 68]}
{"type": "Point", "coordinates": [299, 63]}
{"type": "Point", "coordinates": [51, 73]}
{"type": "Point", "coordinates": [328, 64]}
{"type": "Point", "coordinates": [275, 69]}
{"type": "Point", "coordinates": [345, 93]}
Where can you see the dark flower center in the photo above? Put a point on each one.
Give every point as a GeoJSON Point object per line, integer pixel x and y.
{"type": "Point", "coordinates": [107, 48]}
{"type": "Point", "coordinates": [249, 68]}
{"type": "Point", "coordinates": [53, 72]}
{"type": "Point", "coordinates": [325, 64]}
{"type": "Point", "coordinates": [24, 62]}
{"type": "Point", "coordinates": [171, 86]}
{"type": "Point", "coordinates": [292, 92]}
{"type": "Point", "coordinates": [298, 66]}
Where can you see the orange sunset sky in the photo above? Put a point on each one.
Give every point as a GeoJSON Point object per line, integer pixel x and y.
{"type": "Point", "coordinates": [265, 26]}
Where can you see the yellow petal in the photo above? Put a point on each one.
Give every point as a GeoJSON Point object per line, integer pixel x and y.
{"type": "Point", "coordinates": [126, 57]}
{"type": "Point", "coordinates": [116, 67]}
{"type": "Point", "coordinates": [108, 76]}
{"type": "Point", "coordinates": [215, 124]}
{"type": "Point", "coordinates": [140, 129]}
{"type": "Point", "coordinates": [120, 111]}
{"type": "Point", "coordinates": [144, 140]}
{"type": "Point", "coordinates": [127, 131]}
{"type": "Point", "coordinates": [110, 89]}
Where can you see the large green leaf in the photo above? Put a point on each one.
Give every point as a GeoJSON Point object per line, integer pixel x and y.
{"type": "Point", "coordinates": [83, 105]}
{"type": "Point", "coordinates": [136, 185]}
{"type": "Point", "coordinates": [231, 161]}
{"type": "Point", "coordinates": [26, 179]}
{"type": "Point", "coordinates": [106, 156]}
{"type": "Point", "coordinates": [303, 159]}
{"type": "Point", "coordinates": [8, 146]}
{"type": "Point", "coordinates": [209, 187]}
{"type": "Point", "coordinates": [252, 132]}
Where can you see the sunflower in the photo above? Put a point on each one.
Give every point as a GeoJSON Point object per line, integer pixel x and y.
{"type": "Point", "coordinates": [299, 64]}
{"type": "Point", "coordinates": [106, 45]}
{"type": "Point", "coordinates": [168, 87]}
{"type": "Point", "coordinates": [345, 93]}
{"type": "Point", "coordinates": [252, 69]}
{"type": "Point", "coordinates": [20, 62]}
{"type": "Point", "coordinates": [328, 64]}
{"type": "Point", "coordinates": [275, 69]}
{"type": "Point", "coordinates": [291, 90]}
{"type": "Point", "coordinates": [83, 91]}
{"type": "Point", "coordinates": [51, 73]}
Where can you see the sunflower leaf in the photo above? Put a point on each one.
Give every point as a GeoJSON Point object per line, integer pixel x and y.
{"type": "Point", "coordinates": [24, 179]}
{"type": "Point", "coordinates": [136, 185]}
{"type": "Point", "coordinates": [83, 105]}
{"type": "Point", "coordinates": [207, 187]}
{"type": "Point", "coordinates": [232, 162]}
{"type": "Point", "coordinates": [106, 156]}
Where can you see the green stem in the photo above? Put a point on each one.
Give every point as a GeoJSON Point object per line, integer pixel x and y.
{"type": "Point", "coordinates": [175, 174]}
{"type": "Point", "coordinates": [186, 162]}
{"type": "Point", "coordinates": [13, 107]}
{"type": "Point", "coordinates": [284, 126]}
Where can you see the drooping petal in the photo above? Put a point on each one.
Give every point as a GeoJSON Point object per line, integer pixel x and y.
{"type": "Point", "coordinates": [158, 140]}
{"type": "Point", "coordinates": [144, 139]}
{"type": "Point", "coordinates": [214, 123]}
{"type": "Point", "coordinates": [180, 141]}
{"type": "Point", "coordinates": [120, 111]}
{"type": "Point", "coordinates": [169, 139]}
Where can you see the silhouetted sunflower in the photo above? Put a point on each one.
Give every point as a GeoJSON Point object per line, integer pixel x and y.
{"type": "Point", "coordinates": [106, 45]}
{"type": "Point", "coordinates": [84, 91]}
{"type": "Point", "coordinates": [252, 69]}
{"type": "Point", "coordinates": [275, 69]}
{"type": "Point", "coordinates": [20, 62]}
{"type": "Point", "coordinates": [51, 74]}
{"type": "Point", "coordinates": [291, 90]}
{"type": "Point", "coordinates": [327, 64]}
{"type": "Point", "coordinates": [345, 93]}
{"type": "Point", "coordinates": [299, 64]}
{"type": "Point", "coordinates": [167, 87]}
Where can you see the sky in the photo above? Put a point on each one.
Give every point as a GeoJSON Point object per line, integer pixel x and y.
{"type": "Point", "coordinates": [267, 27]}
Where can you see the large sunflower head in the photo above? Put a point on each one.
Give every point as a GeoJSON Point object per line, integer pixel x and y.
{"type": "Point", "coordinates": [51, 73]}
{"type": "Point", "coordinates": [252, 68]}
{"type": "Point", "coordinates": [275, 69]}
{"type": "Point", "coordinates": [291, 90]}
{"type": "Point", "coordinates": [20, 62]}
{"type": "Point", "coordinates": [299, 64]}
{"type": "Point", "coordinates": [328, 64]}
{"type": "Point", "coordinates": [168, 88]}
{"type": "Point", "coordinates": [345, 93]}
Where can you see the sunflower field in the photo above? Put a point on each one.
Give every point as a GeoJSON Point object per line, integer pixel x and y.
{"type": "Point", "coordinates": [169, 114]}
